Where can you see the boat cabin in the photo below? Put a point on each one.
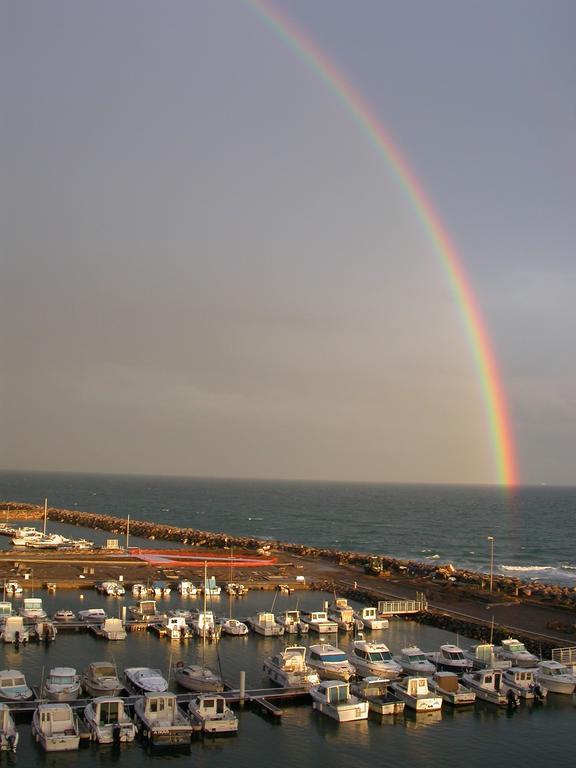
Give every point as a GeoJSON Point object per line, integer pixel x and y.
{"type": "Point", "coordinates": [56, 719]}
{"type": "Point", "coordinates": [417, 686]}
{"type": "Point", "coordinates": [335, 692]}
{"type": "Point", "coordinates": [5, 610]}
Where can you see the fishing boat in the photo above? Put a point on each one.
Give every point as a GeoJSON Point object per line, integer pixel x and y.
{"type": "Point", "coordinates": [369, 617]}
{"type": "Point", "coordinates": [64, 615]}
{"type": "Point", "coordinates": [415, 693]}
{"type": "Point", "coordinates": [236, 590]}
{"type": "Point", "coordinates": [556, 677]}
{"type": "Point", "coordinates": [333, 698]}
{"type": "Point", "coordinates": [523, 682]}
{"type": "Point", "coordinates": [373, 659]}
{"type": "Point", "coordinates": [111, 589]}
{"type": "Point", "coordinates": [213, 714]}
{"type": "Point", "coordinates": [111, 629]}
{"type": "Point", "coordinates": [142, 680]}
{"type": "Point", "coordinates": [487, 685]}
{"type": "Point", "coordinates": [13, 588]}
{"type": "Point", "coordinates": [56, 727]}
{"type": "Point", "coordinates": [232, 627]}
{"type": "Point", "coordinates": [43, 630]}
{"type": "Point", "coordinates": [447, 685]}
{"type": "Point", "coordinates": [204, 625]}
{"type": "Point", "coordinates": [319, 622]}
{"type": "Point", "coordinates": [139, 590]}
{"type": "Point", "coordinates": [376, 691]}
{"type": "Point", "coordinates": [108, 721]}
{"type": "Point", "coordinates": [288, 668]}
{"type": "Point", "coordinates": [13, 686]}
{"type": "Point", "coordinates": [514, 651]}
{"type": "Point", "coordinates": [450, 658]}
{"type": "Point", "coordinates": [414, 662]}
{"type": "Point", "coordinates": [197, 678]}
{"type": "Point", "coordinates": [174, 628]}
{"type": "Point", "coordinates": [14, 630]}
{"type": "Point", "coordinates": [210, 588]}
{"type": "Point", "coordinates": [100, 678]}
{"type": "Point", "coordinates": [32, 608]}
{"type": "Point", "coordinates": [160, 720]}
{"type": "Point", "coordinates": [160, 589]}
{"type": "Point", "coordinates": [483, 656]}
{"type": "Point", "coordinates": [292, 623]}
{"type": "Point", "coordinates": [146, 611]}
{"type": "Point", "coordinates": [62, 684]}
{"type": "Point", "coordinates": [330, 662]}
{"type": "Point", "coordinates": [343, 614]}
{"type": "Point", "coordinates": [8, 733]}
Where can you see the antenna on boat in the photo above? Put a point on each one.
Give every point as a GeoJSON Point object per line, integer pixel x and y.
{"type": "Point", "coordinates": [492, 631]}
{"type": "Point", "coordinates": [127, 530]}
{"type": "Point", "coordinates": [45, 515]}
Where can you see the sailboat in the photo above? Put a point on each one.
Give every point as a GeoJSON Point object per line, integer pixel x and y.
{"type": "Point", "coordinates": [196, 677]}
{"type": "Point", "coordinates": [231, 626]}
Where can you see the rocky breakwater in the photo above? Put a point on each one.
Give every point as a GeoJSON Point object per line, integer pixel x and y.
{"type": "Point", "coordinates": [445, 578]}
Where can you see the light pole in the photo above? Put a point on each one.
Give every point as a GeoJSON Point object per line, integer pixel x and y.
{"type": "Point", "coordinates": [491, 540]}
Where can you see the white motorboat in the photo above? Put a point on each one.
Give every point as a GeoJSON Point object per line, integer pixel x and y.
{"type": "Point", "coordinates": [139, 590]}
{"type": "Point", "coordinates": [13, 588]}
{"type": "Point", "coordinates": [204, 625]}
{"type": "Point", "coordinates": [292, 623]}
{"type": "Point", "coordinates": [110, 629]}
{"type": "Point", "coordinates": [46, 541]}
{"type": "Point", "coordinates": [140, 680]}
{"type": "Point", "coordinates": [62, 684]}
{"type": "Point", "coordinates": [100, 678]}
{"type": "Point", "coordinates": [108, 721]}
{"type": "Point", "coordinates": [514, 651]}
{"type": "Point", "coordinates": [523, 682]}
{"type": "Point", "coordinates": [329, 662]}
{"type": "Point", "coordinates": [210, 588]}
{"type": "Point", "coordinates": [264, 623]}
{"type": "Point", "coordinates": [160, 720]}
{"type": "Point", "coordinates": [343, 614]}
{"type": "Point", "coordinates": [369, 617]}
{"type": "Point", "coordinates": [373, 659]}
{"type": "Point", "coordinates": [232, 627]}
{"type": "Point", "coordinates": [483, 656]}
{"type": "Point", "coordinates": [187, 588]}
{"type": "Point", "coordinates": [237, 590]}
{"type": "Point", "coordinates": [43, 630]}
{"type": "Point", "coordinates": [415, 693]}
{"type": "Point", "coordinates": [94, 615]}
{"type": "Point", "coordinates": [24, 536]}
{"type": "Point", "coordinates": [487, 685]}
{"type": "Point", "coordinates": [161, 589]}
{"type": "Point", "coordinates": [64, 615]}
{"type": "Point", "coordinates": [213, 714]}
{"type": "Point", "coordinates": [174, 628]}
{"type": "Point", "coordinates": [318, 621]}
{"type": "Point", "coordinates": [112, 588]}
{"type": "Point", "coordinates": [56, 727]}
{"type": "Point", "coordinates": [450, 658]}
{"type": "Point", "coordinates": [32, 608]}
{"type": "Point", "coordinates": [14, 630]}
{"type": "Point", "coordinates": [333, 698]}
{"type": "Point", "coordinates": [414, 662]}
{"type": "Point", "coordinates": [556, 677]}
{"type": "Point", "coordinates": [288, 668]}
{"type": "Point", "coordinates": [447, 685]}
{"type": "Point", "coordinates": [8, 733]}
{"type": "Point", "coordinates": [13, 686]}
{"type": "Point", "coordinates": [197, 678]}
{"type": "Point", "coordinates": [376, 691]}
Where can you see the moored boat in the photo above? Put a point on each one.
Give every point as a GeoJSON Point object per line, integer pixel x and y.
{"type": "Point", "coordinates": [56, 727]}
{"type": "Point", "coordinates": [13, 686]}
{"type": "Point", "coordinates": [483, 656]}
{"type": "Point", "coordinates": [108, 721]}
{"type": "Point", "coordinates": [288, 668]}
{"type": "Point", "coordinates": [141, 680]}
{"type": "Point", "coordinates": [376, 691]}
{"type": "Point", "coordinates": [32, 608]}
{"type": "Point", "coordinates": [450, 658]}
{"type": "Point", "coordinates": [64, 615]}
{"type": "Point", "coordinates": [514, 651]}
{"type": "Point", "coordinates": [264, 623]}
{"type": "Point", "coordinates": [523, 682]}
{"type": "Point", "coordinates": [447, 685]}
{"type": "Point", "coordinates": [487, 685]}
{"type": "Point", "coordinates": [110, 629]}
{"type": "Point", "coordinates": [8, 733]}
{"type": "Point", "coordinates": [415, 693]}
{"type": "Point", "coordinates": [213, 714]}
{"type": "Point", "coordinates": [330, 662]}
{"type": "Point", "coordinates": [197, 678]}
{"type": "Point", "coordinates": [232, 627]}
{"type": "Point", "coordinates": [370, 618]}
{"type": "Point", "coordinates": [556, 677]}
{"type": "Point", "coordinates": [373, 659]}
{"type": "Point", "coordinates": [160, 720]}
{"type": "Point", "coordinates": [94, 615]}
{"type": "Point", "coordinates": [14, 630]}
{"type": "Point", "coordinates": [414, 662]}
{"type": "Point", "coordinates": [292, 623]}
{"type": "Point", "coordinates": [333, 698]}
{"type": "Point", "coordinates": [62, 684]}
{"type": "Point", "coordinates": [318, 621]}
{"type": "Point", "coordinates": [343, 614]}
{"type": "Point", "coordinates": [100, 678]}
{"type": "Point", "coordinates": [204, 625]}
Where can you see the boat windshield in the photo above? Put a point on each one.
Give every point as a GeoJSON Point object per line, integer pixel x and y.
{"type": "Point", "coordinates": [454, 655]}
{"type": "Point", "coordinates": [558, 671]}
{"type": "Point", "coordinates": [379, 656]}
{"type": "Point", "coordinates": [418, 657]}
{"type": "Point", "coordinates": [517, 648]}
{"type": "Point", "coordinates": [333, 657]}
{"type": "Point", "coordinates": [62, 680]}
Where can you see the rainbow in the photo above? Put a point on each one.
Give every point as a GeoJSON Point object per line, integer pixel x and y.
{"type": "Point", "coordinates": [475, 329]}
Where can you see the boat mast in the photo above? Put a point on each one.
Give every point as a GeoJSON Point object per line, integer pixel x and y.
{"type": "Point", "coordinates": [45, 515]}
{"type": "Point", "coordinates": [127, 530]}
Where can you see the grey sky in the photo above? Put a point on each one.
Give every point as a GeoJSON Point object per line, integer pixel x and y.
{"type": "Point", "coordinates": [206, 270]}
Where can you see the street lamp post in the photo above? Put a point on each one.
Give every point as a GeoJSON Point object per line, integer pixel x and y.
{"type": "Point", "coordinates": [491, 540]}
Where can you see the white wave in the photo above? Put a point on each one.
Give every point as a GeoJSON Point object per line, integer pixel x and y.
{"type": "Point", "coordinates": [567, 567]}
{"type": "Point", "coordinates": [527, 568]}
{"type": "Point", "coordinates": [433, 557]}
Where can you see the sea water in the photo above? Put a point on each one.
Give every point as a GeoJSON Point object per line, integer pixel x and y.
{"type": "Point", "coordinates": [534, 528]}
